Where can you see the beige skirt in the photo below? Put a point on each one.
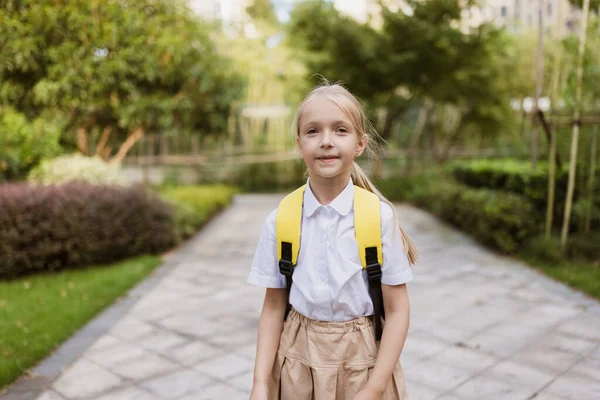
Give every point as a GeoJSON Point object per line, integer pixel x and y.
{"type": "Point", "coordinates": [328, 361]}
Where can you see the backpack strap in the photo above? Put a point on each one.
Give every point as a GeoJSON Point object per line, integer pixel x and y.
{"type": "Point", "coordinates": [367, 228]}
{"type": "Point", "coordinates": [288, 221]}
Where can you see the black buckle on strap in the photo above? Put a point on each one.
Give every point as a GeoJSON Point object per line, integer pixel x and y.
{"type": "Point", "coordinates": [374, 271]}
{"type": "Point", "coordinates": [285, 267]}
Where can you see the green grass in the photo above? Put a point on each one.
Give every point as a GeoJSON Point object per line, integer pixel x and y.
{"type": "Point", "coordinates": [578, 275]}
{"type": "Point", "coordinates": [38, 313]}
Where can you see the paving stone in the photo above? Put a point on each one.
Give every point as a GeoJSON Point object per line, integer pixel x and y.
{"type": "Point", "coordinates": [88, 381]}
{"type": "Point", "coordinates": [466, 359]}
{"type": "Point", "coordinates": [225, 367]}
{"type": "Point", "coordinates": [131, 329]}
{"type": "Point", "coordinates": [50, 395]}
{"type": "Point", "coordinates": [177, 384]}
{"type": "Point", "coordinates": [116, 354]}
{"type": "Point", "coordinates": [106, 341]}
{"type": "Point", "coordinates": [219, 392]}
{"type": "Point", "coordinates": [498, 346]}
{"type": "Point", "coordinates": [436, 375]}
{"type": "Point", "coordinates": [161, 341]}
{"type": "Point", "coordinates": [194, 352]}
{"type": "Point", "coordinates": [519, 374]}
{"type": "Point", "coordinates": [243, 382]}
{"type": "Point", "coordinates": [482, 387]}
{"type": "Point", "coordinates": [144, 367]}
{"type": "Point", "coordinates": [585, 326]}
{"type": "Point", "coordinates": [129, 392]}
{"type": "Point", "coordinates": [574, 386]}
{"type": "Point", "coordinates": [546, 358]}
{"type": "Point", "coordinates": [416, 390]}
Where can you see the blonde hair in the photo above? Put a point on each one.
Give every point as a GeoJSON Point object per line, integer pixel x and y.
{"type": "Point", "coordinates": [350, 105]}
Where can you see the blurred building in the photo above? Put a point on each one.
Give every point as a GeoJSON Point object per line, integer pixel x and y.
{"type": "Point", "coordinates": [522, 15]}
{"type": "Point", "coordinates": [227, 11]}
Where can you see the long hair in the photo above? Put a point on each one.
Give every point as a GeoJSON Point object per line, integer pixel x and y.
{"type": "Point", "coordinates": [353, 110]}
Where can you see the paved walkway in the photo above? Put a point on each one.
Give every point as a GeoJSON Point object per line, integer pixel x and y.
{"type": "Point", "coordinates": [482, 326]}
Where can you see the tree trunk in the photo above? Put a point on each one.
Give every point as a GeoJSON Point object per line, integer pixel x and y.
{"type": "Point", "coordinates": [576, 122]}
{"type": "Point", "coordinates": [127, 145]}
{"type": "Point", "coordinates": [539, 81]}
{"type": "Point", "coordinates": [591, 179]}
{"type": "Point", "coordinates": [558, 32]}
{"type": "Point", "coordinates": [417, 133]}
{"type": "Point", "coordinates": [100, 148]}
{"type": "Point", "coordinates": [82, 143]}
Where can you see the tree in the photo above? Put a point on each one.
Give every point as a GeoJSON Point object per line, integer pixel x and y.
{"type": "Point", "coordinates": [115, 69]}
{"type": "Point", "coordinates": [424, 55]}
{"type": "Point", "coordinates": [576, 116]}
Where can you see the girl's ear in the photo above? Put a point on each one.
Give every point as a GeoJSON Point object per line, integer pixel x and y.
{"type": "Point", "coordinates": [298, 144]}
{"type": "Point", "coordinates": [362, 144]}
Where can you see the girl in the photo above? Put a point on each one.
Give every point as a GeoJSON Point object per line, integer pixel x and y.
{"type": "Point", "coordinates": [326, 348]}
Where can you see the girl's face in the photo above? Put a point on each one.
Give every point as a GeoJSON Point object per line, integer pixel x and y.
{"type": "Point", "coordinates": [327, 140]}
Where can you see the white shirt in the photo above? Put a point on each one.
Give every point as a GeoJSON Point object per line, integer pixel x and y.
{"type": "Point", "coordinates": [329, 283]}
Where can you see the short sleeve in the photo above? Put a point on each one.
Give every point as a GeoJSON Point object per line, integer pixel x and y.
{"type": "Point", "coordinates": [265, 269]}
{"type": "Point", "coordinates": [396, 268]}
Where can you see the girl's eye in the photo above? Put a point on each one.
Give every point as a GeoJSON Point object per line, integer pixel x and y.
{"type": "Point", "coordinates": [342, 129]}
{"type": "Point", "coordinates": [311, 131]}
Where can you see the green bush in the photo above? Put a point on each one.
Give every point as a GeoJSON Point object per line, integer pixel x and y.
{"type": "Point", "coordinates": [499, 219]}
{"type": "Point", "coordinates": [270, 177]}
{"type": "Point", "coordinates": [24, 143]}
{"type": "Point", "coordinates": [195, 204]}
{"type": "Point", "coordinates": [584, 246]}
{"type": "Point", "coordinates": [74, 167]}
{"type": "Point", "coordinates": [53, 227]}
{"type": "Point", "coordinates": [544, 249]}
{"type": "Point", "coordinates": [516, 176]}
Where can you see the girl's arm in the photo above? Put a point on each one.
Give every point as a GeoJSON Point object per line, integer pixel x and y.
{"type": "Point", "coordinates": [269, 333]}
{"type": "Point", "coordinates": [397, 308]}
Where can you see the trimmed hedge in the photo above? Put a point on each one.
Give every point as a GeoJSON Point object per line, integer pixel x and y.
{"type": "Point", "coordinates": [516, 176]}
{"type": "Point", "coordinates": [54, 227]}
{"type": "Point", "coordinates": [499, 219]}
{"type": "Point", "coordinates": [194, 205]}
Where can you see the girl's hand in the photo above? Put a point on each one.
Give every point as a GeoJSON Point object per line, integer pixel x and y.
{"type": "Point", "coordinates": [369, 393]}
{"type": "Point", "coordinates": [260, 391]}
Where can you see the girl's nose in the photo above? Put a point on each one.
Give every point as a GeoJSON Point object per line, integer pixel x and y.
{"type": "Point", "coordinates": [326, 139]}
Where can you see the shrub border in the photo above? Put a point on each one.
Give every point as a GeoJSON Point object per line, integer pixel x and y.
{"type": "Point", "coordinates": [51, 367]}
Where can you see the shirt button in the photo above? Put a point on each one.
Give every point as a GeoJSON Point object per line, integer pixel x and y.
{"type": "Point", "coordinates": [327, 313]}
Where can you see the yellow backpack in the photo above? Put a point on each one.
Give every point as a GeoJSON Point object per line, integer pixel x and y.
{"type": "Point", "coordinates": [367, 228]}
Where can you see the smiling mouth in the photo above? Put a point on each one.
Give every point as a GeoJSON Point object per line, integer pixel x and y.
{"type": "Point", "coordinates": [327, 159]}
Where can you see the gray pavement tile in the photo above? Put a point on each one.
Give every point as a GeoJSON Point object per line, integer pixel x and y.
{"type": "Point", "coordinates": [84, 381]}
{"type": "Point", "coordinates": [128, 392]}
{"type": "Point", "coordinates": [219, 392]}
{"type": "Point", "coordinates": [481, 387]}
{"type": "Point", "coordinates": [243, 382]}
{"type": "Point", "coordinates": [544, 357]}
{"type": "Point", "coordinates": [574, 386]}
{"type": "Point", "coordinates": [192, 353]}
{"type": "Point", "coordinates": [149, 365]}
{"type": "Point", "coordinates": [225, 367]}
{"type": "Point", "coordinates": [519, 374]}
{"type": "Point", "coordinates": [50, 395]}
{"type": "Point", "coordinates": [177, 384]}
{"type": "Point", "coordinates": [470, 360]}
{"type": "Point", "coordinates": [584, 326]}
{"type": "Point", "coordinates": [437, 375]}
{"type": "Point", "coordinates": [131, 329]}
{"type": "Point", "coordinates": [118, 353]}
{"type": "Point", "coordinates": [498, 346]}
{"type": "Point", "coordinates": [417, 390]}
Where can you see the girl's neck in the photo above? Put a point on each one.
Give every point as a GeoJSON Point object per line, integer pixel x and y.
{"type": "Point", "coordinates": [327, 189]}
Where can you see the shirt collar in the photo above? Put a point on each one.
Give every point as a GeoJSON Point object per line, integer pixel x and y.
{"type": "Point", "coordinates": [342, 203]}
